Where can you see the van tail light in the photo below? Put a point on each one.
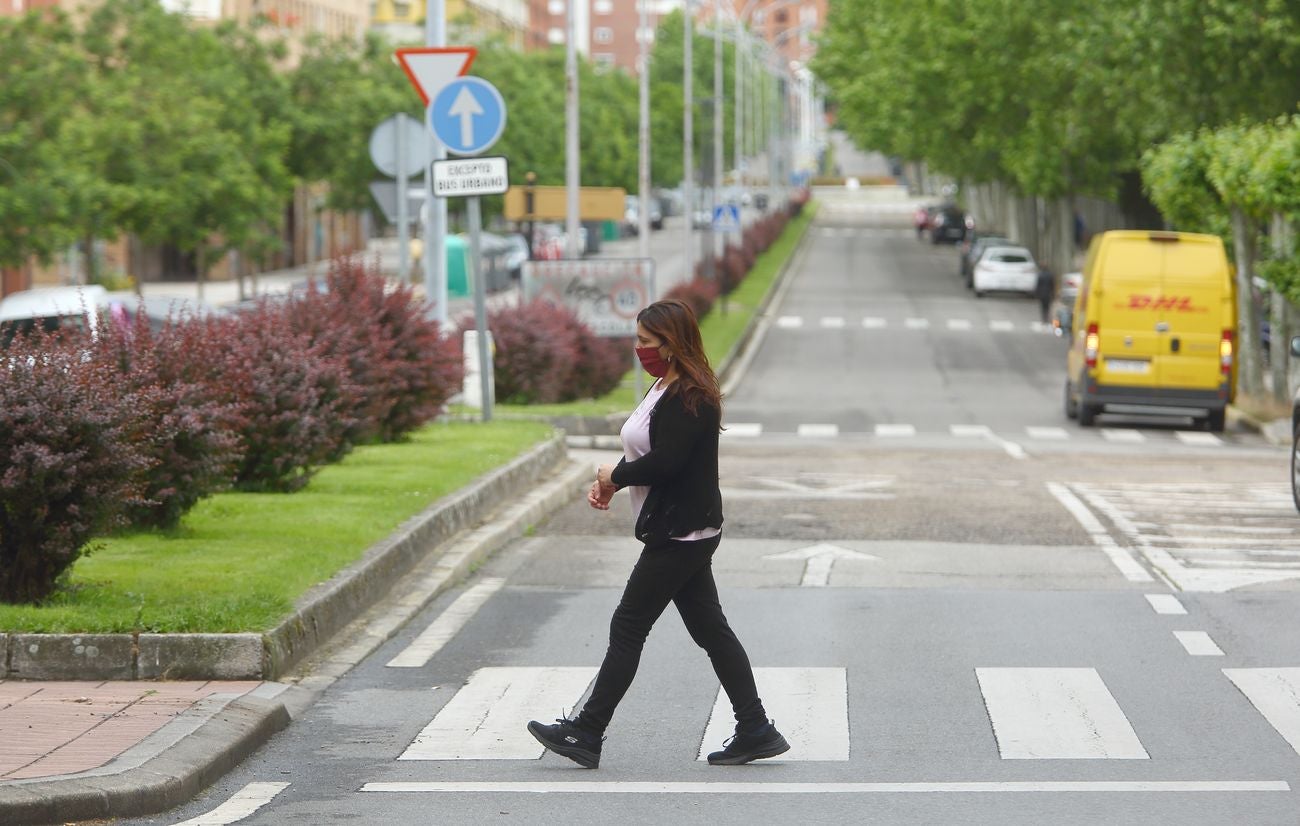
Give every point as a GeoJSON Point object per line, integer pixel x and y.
{"type": "Point", "coordinates": [1225, 353]}
{"type": "Point", "coordinates": [1090, 345]}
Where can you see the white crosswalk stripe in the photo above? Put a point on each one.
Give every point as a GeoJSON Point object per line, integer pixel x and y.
{"type": "Point", "coordinates": [810, 705]}
{"type": "Point", "coordinates": [1275, 693]}
{"type": "Point", "coordinates": [871, 323]}
{"type": "Point", "coordinates": [748, 430]}
{"type": "Point", "coordinates": [833, 323]}
{"type": "Point", "coordinates": [917, 323]}
{"type": "Point", "coordinates": [1001, 326]}
{"type": "Point", "coordinates": [971, 431]}
{"type": "Point", "coordinates": [1054, 434]}
{"type": "Point", "coordinates": [789, 322]}
{"type": "Point", "coordinates": [895, 431]}
{"type": "Point", "coordinates": [1056, 714]}
{"type": "Point", "coordinates": [1205, 536]}
{"type": "Point", "coordinates": [1198, 439]}
{"type": "Point", "coordinates": [959, 324]}
{"type": "Point", "coordinates": [1118, 434]}
{"type": "Point", "coordinates": [819, 431]}
{"type": "Point", "coordinates": [485, 720]}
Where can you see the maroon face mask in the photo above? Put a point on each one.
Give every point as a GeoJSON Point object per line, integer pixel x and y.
{"type": "Point", "coordinates": [653, 363]}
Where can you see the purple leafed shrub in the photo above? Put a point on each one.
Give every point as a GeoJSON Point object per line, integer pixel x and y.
{"type": "Point", "coordinates": [68, 468]}
{"type": "Point", "coordinates": [699, 293]}
{"type": "Point", "coordinates": [189, 434]}
{"type": "Point", "coordinates": [545, 354]}
{"type": "Point", "coordinates": [401, 371]}
{"type": "Point", "coordinates": [292, 397]}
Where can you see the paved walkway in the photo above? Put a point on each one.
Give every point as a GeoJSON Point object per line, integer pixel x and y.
{"type": "Point", "coordinates": [57, 728]}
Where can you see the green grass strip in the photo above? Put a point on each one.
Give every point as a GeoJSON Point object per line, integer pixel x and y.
{"type": "Point", "coordinates": [720, 331]}
{"type": "Point", "coordinates": [240, 561]}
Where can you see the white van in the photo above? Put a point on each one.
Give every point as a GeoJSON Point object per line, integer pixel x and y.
{"type": "Point", "coordinates": [51, 309]}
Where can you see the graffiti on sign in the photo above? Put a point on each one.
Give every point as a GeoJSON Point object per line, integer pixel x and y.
{"type": "Point", "coordinates": [606, 294]}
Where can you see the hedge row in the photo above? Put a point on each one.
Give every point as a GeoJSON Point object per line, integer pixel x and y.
{"type": "Point", "coordinates": [737, 260]}
{"type": "Point", "coordinates": [134, 426]}
{"type": "Point", "coordinates": [545, 354]}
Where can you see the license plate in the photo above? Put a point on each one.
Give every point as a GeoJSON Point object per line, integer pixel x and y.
{"type": "Point", "coordinates": [1127, 365]}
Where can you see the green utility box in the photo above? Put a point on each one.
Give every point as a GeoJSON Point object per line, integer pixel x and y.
{"type": "Point", "coordinates": [458, 285]}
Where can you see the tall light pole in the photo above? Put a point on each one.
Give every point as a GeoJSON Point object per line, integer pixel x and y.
{"type": "Point", "coordinates": [719, 114]}
{"type": "Point", "coordinates": [643, 130]}
{"type": "Point", "coordinates": [435, 209]}
{"type": "Point", "coordinates": [688, 144]}
{"type": "Point", "coordinates": [572, 173]}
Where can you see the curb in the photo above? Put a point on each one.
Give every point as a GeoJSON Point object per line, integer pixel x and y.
{"type": "Point", "coordinates": [320, 612]}
{"type": "Point", "coordinates": [175, 763]}
{"type": "Point", "coordinates": [152, 783]}
{"type": "Point", "coordinates": [1276, 432]}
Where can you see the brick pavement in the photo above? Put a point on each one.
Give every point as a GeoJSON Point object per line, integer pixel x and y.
{"type": "Point", "coordinates": [56, 728]}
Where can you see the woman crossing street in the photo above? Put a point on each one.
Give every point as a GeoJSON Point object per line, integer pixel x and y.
{"type": "Point", "coordinates": [670, 468]}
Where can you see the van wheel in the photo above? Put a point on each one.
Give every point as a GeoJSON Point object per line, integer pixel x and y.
{"type": "Point", "coordinates": [1087, 414]}
{"type": "Point", "coordinates": [1216, 420]}
{"type": "Point", "coordinates": [1295, 467]}
{"type": "Point", "coordinates": [1071, 406]}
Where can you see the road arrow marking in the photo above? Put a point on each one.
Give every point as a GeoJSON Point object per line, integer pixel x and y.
{"type": "Point", "coordinates": [820, 559]}
{"type": "Point", "coordinates": [466, 107]}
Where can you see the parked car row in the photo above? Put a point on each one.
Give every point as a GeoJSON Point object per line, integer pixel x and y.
{"type": "Point", "coordinates": [991, 262]}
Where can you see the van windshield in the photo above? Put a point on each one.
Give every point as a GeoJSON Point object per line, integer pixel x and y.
{"type": "Point", "coordinates": [9, 330]}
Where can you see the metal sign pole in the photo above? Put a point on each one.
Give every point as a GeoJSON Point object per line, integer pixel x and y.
{"type": "Point", "coordinates": [403, 219]}
{"type": "Point", "coordinates": [435, 219]}
{"type": "Point", "coordinates": [480, 307]}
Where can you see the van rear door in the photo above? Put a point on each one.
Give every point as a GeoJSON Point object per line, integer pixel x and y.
{"type": "Point", "coordinates": [1194, 288]}
{"type": "Point", "coordinates": [1127, 317]}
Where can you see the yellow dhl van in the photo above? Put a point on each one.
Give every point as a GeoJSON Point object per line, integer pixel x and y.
{"type": "Point", "coordinates": [1155, 326]}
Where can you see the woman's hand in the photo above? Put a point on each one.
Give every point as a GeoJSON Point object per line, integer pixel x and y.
{"type": "Point", "coordinates": [598, 497]}
{"type": "Point", "coordinates": [604, 476]}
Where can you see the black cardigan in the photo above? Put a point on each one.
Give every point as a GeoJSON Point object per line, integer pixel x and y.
{"type": "Point", "coordinates": [681, 471]}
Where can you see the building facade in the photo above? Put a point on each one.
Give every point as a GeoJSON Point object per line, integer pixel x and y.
{"type": "Point", "coordinates": [609, 31]}
{"type": "Point", "coordinates": [468, 21]}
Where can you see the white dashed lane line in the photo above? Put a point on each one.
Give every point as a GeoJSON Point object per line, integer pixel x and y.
{"type": "Point", "coordinates": [1166, 604]}
{"type": "Point", "coordinates": [819, 431]}
{"type": "Point", "coordinates": [243, 803]}
{"type": "Point", "coordinates": [1198, 644]}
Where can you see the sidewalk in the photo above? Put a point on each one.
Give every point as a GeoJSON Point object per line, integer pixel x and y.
{"type": "Point", "coordinates": [70, 727]}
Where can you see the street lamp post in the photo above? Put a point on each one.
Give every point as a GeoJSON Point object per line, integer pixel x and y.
{"type": "Point", "coordinates": [688, 145]}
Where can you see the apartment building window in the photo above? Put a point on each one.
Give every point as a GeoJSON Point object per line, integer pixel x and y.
{"type": "Point", "coordinates": [603, 6]}
{"type": "Point", "coordinates": [603, 34]}
{"type": "Point", "coordinates": [555, 35]}
{"type": "Point", "coordinates": [604, 61]}
{"type": "Point", "coordinates": [401, 9]}
{"type": "Point", "coordinates": [555, 7]}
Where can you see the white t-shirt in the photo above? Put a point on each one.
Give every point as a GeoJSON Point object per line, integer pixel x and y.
{"type": "Point", "coordinates": [636, 443]}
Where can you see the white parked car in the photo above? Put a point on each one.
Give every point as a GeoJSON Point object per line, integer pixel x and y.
{"type": "Point", "coordinates": [51, 309]}
{"type": "Point", "coordinates": [1005, 268]}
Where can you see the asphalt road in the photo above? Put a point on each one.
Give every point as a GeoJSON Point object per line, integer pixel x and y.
{"type": "Point", "coordinates": [962, 608]}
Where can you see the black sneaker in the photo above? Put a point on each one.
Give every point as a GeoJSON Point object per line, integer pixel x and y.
{"type": "Point", "coordinates": [755, 745]}
{"type": "Point", "coordinates": [565, 738]}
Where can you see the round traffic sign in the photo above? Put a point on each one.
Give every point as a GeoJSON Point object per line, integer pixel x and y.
{"type": "Point", "coordinates": [468, 115]}
{"type": "Point", "coordinates": [416, 148]}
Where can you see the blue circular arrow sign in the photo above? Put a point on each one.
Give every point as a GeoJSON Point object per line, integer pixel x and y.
{"type": "Point", "coordinates": [468, 115]}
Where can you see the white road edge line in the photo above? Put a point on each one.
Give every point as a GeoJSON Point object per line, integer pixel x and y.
{"type": "Point", "coordinates": [1198, 644]}
{"type": "Point", "coordinates": [724, 787]}
{"type": "Point", "coordinates": [1123, 560]}
{"type": "Point", "coordinates": [243, 803]}
{"type": "Point", "coordinates": [447, 625]}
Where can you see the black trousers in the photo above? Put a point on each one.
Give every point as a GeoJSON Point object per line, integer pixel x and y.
{"type": "Point", "coordinates": [681, 573]}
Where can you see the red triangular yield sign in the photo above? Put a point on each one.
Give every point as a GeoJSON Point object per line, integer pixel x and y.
{"type": "Point", "coordinates": [430, 68]}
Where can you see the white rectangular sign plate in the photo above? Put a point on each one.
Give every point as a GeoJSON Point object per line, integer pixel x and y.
{"type": "Point", "coordinates": [470, 176]}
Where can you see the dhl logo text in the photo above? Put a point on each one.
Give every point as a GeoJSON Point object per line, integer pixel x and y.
{"type": "Point", "coordinates": [1177, 303]}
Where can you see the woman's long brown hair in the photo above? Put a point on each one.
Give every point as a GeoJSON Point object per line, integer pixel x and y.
{"type": "Point", "coordinates": [673, 323]}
